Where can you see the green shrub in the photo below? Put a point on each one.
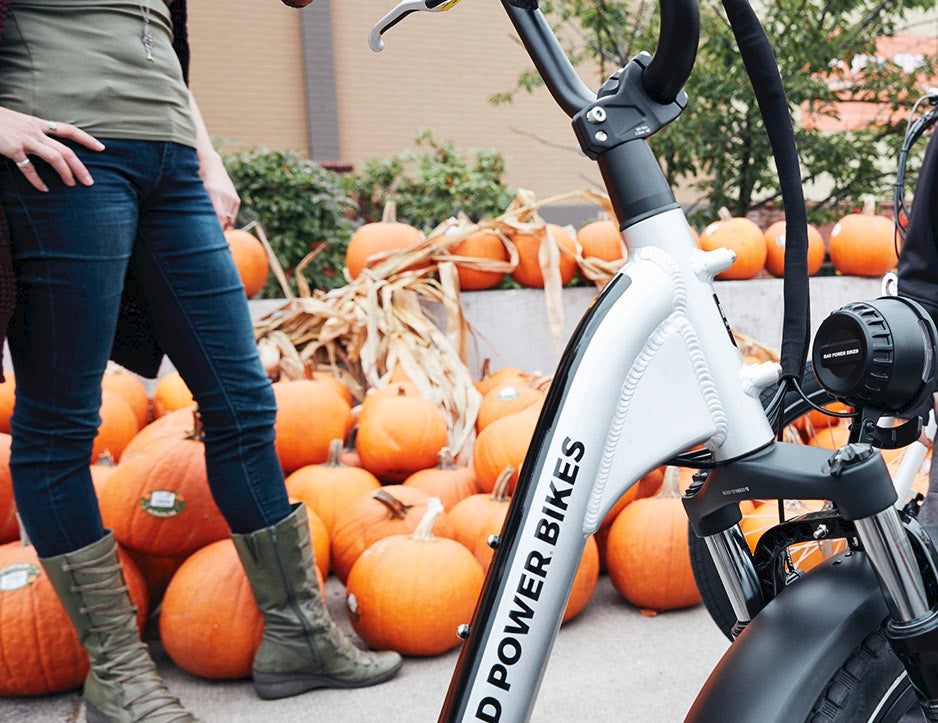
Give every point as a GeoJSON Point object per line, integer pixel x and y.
{"type": "Point", "coordinates": [301, 206]}
{"type": "Point", "coordinates": [430, 183]}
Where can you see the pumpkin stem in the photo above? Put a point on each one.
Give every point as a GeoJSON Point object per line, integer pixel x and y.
{"type": "Point", "coordinates": [106, 459]}
{"type": "Point", "coordinates": [446, 459]}
{"type": "Point", "coordinates": [671, 487]}
{"type": "Point", "coordinates": [396, 508]}
{"type": "Point", "coordinates": [335, 453]}
{"type": "Point", "coordinates": [424, 529]}
{"type": "Point", "coordinates": [198, 430]}
{"type": "Point", "coordinates": [486, 370]}
{"type": "Point", "coordinates": [500, 491]}
{"type": "Point", "coordinates": [389, 215]}
{"type": "Point", "coordinates": [724, 214]}
{"type": "Point", "coordinates": [869, 204]}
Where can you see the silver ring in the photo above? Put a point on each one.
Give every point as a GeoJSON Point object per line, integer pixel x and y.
{"type": "Point", "coordinates": [229, 216]}
{"type": "Point", "coordinates": [52, 126]}
{"type": "Point", "coordinates": [22, 164]}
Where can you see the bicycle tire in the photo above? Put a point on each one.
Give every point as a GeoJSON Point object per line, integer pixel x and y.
{"type": "Point", "coordinates": [712, 593]}
{"type": "Point", "coordinates": [870, 687]}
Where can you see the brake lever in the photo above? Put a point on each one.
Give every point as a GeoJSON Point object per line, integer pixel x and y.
{"type": "Point", "coordinates": [401, 11]}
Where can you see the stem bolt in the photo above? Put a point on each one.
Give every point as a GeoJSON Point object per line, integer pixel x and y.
{"type": "Point", "coordinates": [601, 136]}
{"type": "Point", "coordinates": [493, 541]}
{"type": "Point", "coordinates": [463, 631]}
{"type": "Point", "coordinates": [596, 114]}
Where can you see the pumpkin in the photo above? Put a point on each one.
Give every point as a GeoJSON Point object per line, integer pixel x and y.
{"type": "Point", "coordinates": [128, 386]}
{"type": "Point", "coordinates": [528, 271]}
{"type": "Point", "coordinates": [170, 394]}
{"type": "Point", "coordinates": [399, 435]}
{"type": "Point", "coordinates": [584, 584]}
{"type": "Point", "coordinates": [410, 593]}
{"type": "Point", "coordinates": [601, 240]}
{"type": "Point", "coordinates": [765, 516]}
{"type": "Point", "coordinates": [159, 501]}
{"type": "Point", "coordinates": [506, 399]}
{"type": "Point", "coordinates": [39, 649]}
{"type": "Point", "coordinates": [381, 237]}
{"type": "Point", "coordinates": [157, 571]}
{"type": "Point", "coordinates": [775, 249]}
{"type": "Point", "coordinates": [118, 426]}
{"type": "Point", "coordinates": [250, 258]}
{"type": "Point", "coordinates": [446, 481]}
{"type": "Point", "coordinates": [171, 425]}
{"type": "Point", "coordinates": [330, 487]}
{"type": "Point", "coordinates": [741, 236]}
{"type": "Point", "coordinates": [473, 519]}
{"type": "Point", "coordinates": [503, 443]}
{"type": "Point", "coordinates": [391, 510]}
{"type": "Point", "coordinates": [9, 525]}
{"type": "Point", "coordinates": [392, 389]}
{"type": "Point", "coordinates": [310, 414]}
{"type": "Point", "coordinates": [7, 398]}
{"type": "Point", "coordinates": [210, 625]}
{"type": "Point", "coordinates": [864, 244]}
{"type": "Point", "coordinates": [483, 245]}
{"type": "Point", "coordinates": [506, 375]}
{"type": "Point", "coordinates": [646, 551]}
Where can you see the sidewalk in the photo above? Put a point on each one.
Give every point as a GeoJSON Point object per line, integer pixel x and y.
{"type": "Point", "coordinates": [609, 664]}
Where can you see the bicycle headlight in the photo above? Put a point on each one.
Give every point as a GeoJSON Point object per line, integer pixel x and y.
{"type": "Point", "coordinates": [878, 354]}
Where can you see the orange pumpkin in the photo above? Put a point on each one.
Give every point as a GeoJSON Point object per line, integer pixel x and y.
{"type": "Point", "coordinates": [775, 249]}
{"type": "Point", "coordinates": [584, 584]}
{"type": "Point", "coordinates": [380, 237]}
{"type": "Point", "coordinates": [399, 435]}
{"type": "Point", "coordinates": [741, 236]}
{"type": "Point", "coordinates": [647, 555]}
{"type": "Point", "coordinates": [864, 244]}
{"type": "Point", "coordinates": [330, 487]}
{"type": "Point", "coordinates": [128, 386]}
{"type": "Point", "coordinates": [39, 649]}
{"type": "Point", "coordinates": [528, 271]}
{"type": "Point", "coordinates": [601, 240]}
{"type": "Point", "coordinates": [170, 394]}
{"type": "Point", "coordinates": [765, 516]}
{"type": "Point", "coordinates": [159, 501]}
{"type": "Point", "coordinates": [9, 525]}
{"type": "Point", "coordinates": [210, 625]}
{"type": "Point", "coordinates": [7, 398]}
{"type": "Point", "coordinates": [503, 443]}
{"type": "Point", "coordinates": [391, 510]}
{"type": "Point", "coordinates": [310, 414]}
{"type": "Point", "coordinates": [446, 481]}
{"type": "Point", "coordinates": [171, 425]}
{"type": "Point", "coordinates": [396, 388]}
{"type": "Point", "coordinates": [484, 245]}
{"type": "Point", "coordinates": [157, 571]}
{"type": "Point", "coordinates": [118, 426]}
{"type": "Point", "coordinates": [250, 257]}
{"type": "Point", "coordinates": [401, 574]}
{"type": "Point", "coordinates": [473, 519]}
{"type": "Point", "coordinates": [504, 400]}
{"type": "Point", "coordinates": [506, 375]}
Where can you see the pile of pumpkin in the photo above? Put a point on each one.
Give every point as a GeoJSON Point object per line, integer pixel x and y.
{"type": "Point", "coordinates": [402, 526]}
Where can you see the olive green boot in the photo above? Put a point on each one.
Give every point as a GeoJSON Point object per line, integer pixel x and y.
{"type": "Point", "coordinates": [123, 685]}
{"type": "Point", "coordinates": [302, 648]}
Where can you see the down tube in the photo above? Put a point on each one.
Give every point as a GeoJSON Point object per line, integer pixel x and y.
{"type": "Point", "coordinates": [626, 396]}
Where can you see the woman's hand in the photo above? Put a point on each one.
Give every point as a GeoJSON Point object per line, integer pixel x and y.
{"type": "Point", "coordinates": [220, 189]}
{"type": "Point", "coordinates": [24, 135]}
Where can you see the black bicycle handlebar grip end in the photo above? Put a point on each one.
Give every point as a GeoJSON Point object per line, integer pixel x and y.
{"type": "Point", "coordinates": [523, 4]}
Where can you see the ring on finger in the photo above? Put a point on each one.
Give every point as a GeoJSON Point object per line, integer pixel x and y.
{"type": "Point", "coordinates": [52, 126]}
{"type": "Point", "coordinates": [22, 164]}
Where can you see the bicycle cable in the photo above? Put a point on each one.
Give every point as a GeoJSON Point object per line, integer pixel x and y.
{"type": "Point", "coordinates": [915, 129]}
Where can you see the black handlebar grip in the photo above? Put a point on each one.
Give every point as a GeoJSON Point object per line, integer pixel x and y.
{"type": "Point", "coordinates": [676, 52]}
{"type": "Point", "coordinates": [523, 4]}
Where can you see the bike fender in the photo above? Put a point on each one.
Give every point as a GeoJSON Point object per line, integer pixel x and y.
{"type": "Point", "coordinates": [782, 662]}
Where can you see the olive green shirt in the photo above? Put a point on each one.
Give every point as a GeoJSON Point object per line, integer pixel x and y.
{"type": "Point", "coordinates": [84, 62]}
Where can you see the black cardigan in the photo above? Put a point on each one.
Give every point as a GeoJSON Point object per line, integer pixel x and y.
{"type": "Point", "coordinates": [918, 262]}
{"type": "Point", "coordinates": [135, 346]}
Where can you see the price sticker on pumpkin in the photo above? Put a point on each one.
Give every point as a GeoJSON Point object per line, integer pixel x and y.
{"type": "Point", "coordinates": [163, 503]}
{"type": "Point", "coordinates": [14, 577]}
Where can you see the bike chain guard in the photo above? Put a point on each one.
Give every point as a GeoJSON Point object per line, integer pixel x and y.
{"type": "Point", "coordinates": [879, 357]}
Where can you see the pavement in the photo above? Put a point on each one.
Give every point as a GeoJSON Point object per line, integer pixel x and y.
{"type": "Point", "coordinates": [610, 663]}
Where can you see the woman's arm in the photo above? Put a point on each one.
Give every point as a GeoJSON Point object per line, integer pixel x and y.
{"type": "Point", "coordinates": [219, 186]}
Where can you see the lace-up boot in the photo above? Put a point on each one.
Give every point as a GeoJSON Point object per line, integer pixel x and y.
{"type": "Point", "coordinates": [302, 648]}
{"type": "Point", "coordinates": [123, 685]}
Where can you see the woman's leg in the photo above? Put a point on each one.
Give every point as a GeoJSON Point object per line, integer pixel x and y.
{"type": "Point", "coordinates": [201, 319]}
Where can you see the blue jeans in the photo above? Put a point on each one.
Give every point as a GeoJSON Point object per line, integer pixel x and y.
{"type": "Point", "coordinates": [71, 250]}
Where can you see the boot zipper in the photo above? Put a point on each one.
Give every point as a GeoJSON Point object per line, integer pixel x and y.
{"type": "Point", "coordinates": [291, 596]}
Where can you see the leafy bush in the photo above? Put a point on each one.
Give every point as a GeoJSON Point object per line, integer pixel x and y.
{"type": "Point", "coordinates": [430, 183]}
{"type": "Point", "coordinates": [301, 206]}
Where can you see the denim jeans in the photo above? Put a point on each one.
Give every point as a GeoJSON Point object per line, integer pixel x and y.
{"type": "Point", "coordinates": [71, 250]}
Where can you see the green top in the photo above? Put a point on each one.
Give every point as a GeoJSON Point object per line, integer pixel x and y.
{"type": "Point", "coordinates": [84, 62]}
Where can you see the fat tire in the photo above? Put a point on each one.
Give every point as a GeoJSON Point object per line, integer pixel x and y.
{"type": "Point", "coordinates": [870, 687]}
{"type": "Point", "coordinates": [706, 576]}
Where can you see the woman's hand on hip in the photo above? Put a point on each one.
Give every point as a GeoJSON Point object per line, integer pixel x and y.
{"type": "Point", "coordinates": [24, 135]}
{"type": "Point", "coordinates": [220, 189]}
